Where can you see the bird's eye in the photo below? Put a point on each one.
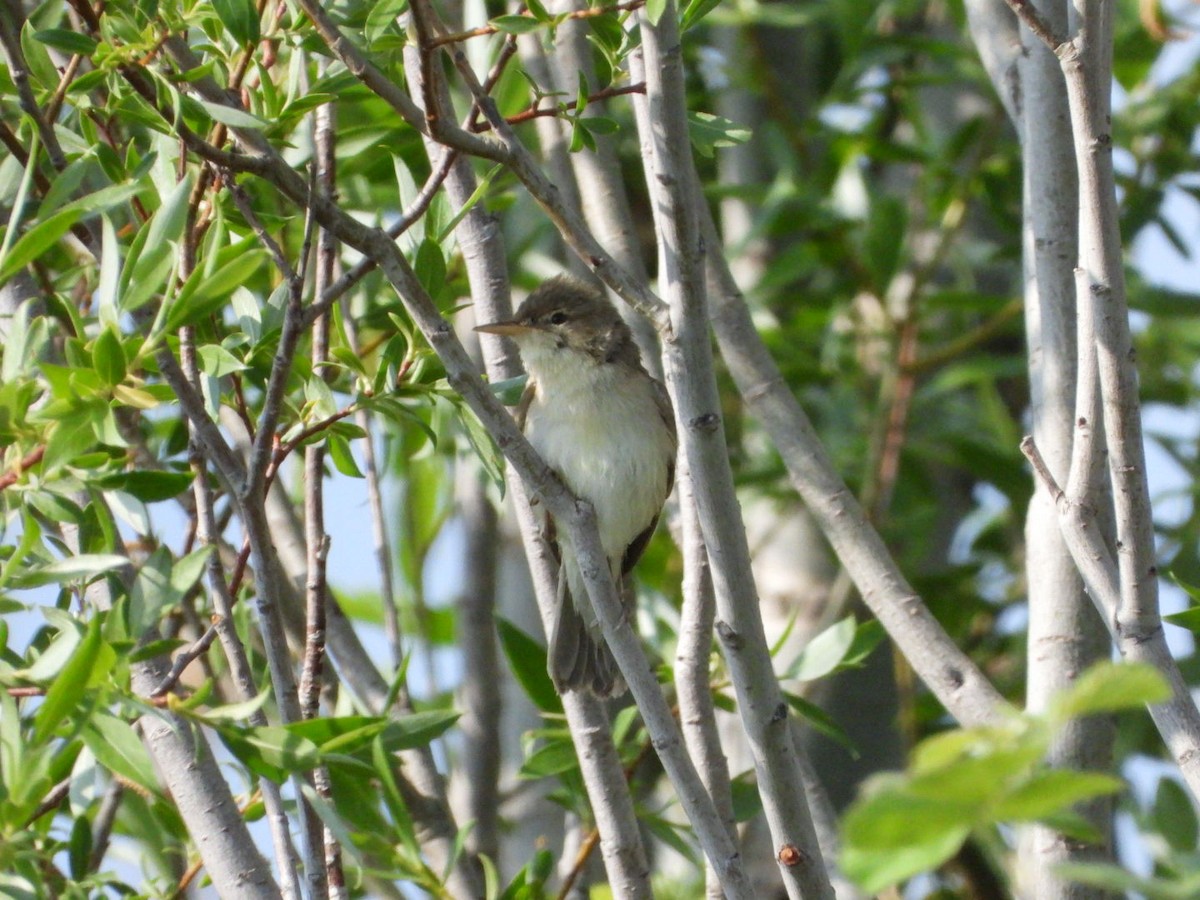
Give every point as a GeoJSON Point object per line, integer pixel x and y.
{"type": "Point", "coordinates": [558, 318]}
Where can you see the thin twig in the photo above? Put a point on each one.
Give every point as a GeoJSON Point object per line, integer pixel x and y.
{"type": "Point", "coordinates": [28, 461]}
{"type": "Point", "coordinates": [484, 30]}
{"type": "Point", "coordinates": [182, 660]}
{"type": "Point", "coordinates": [561, 109]}
{"type": "Point", "coordinates": [10, 42]}
{"type": "Point", "coordinates": [970, 340]}
{"type": "Point", "coordinates": [1037, 23]}
{"type": "Point", "coordinates": [408, 218]}
{"type": "Point", "coordinates": [224, 597]}
{"type": "Point", "coordinates": [586, 848]}
{"type": "Point", "coordinates": [60, 92]}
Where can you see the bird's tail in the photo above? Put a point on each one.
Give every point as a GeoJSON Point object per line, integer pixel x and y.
{"type": "Point", "coordinates": [579, 658]}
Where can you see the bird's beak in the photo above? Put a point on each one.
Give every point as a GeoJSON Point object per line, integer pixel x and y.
{"type": "Point", "coordinates": [508, 329]}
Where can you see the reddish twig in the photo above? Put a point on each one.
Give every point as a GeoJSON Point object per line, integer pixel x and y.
{"type": "Point", "coordinates": [592, 840]}
{"type": "Point", "coordinates": [31, 459]}
{"type": "Point", "coordinates": [282, 450]}
{"type": "Point", "coordinates": [19, 692]}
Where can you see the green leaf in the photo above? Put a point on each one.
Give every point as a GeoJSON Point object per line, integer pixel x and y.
{"type": "Point", "coordinates": [36, 241]}
{"type": "Point", "coordinates": [81, 568]}
{"type": "Point", "coordinates": [655, 10]}
{"type": "Point", "coordinates": [105, 199]}
{"type": "Point", "coordinates": [151, 593]}
{"type": "Point", "coordinates": [318, 395]}
{"type": "Point", "coordinates": [151, 257]}
{"type": "Point", "coordinates": [891, 816]}
{"type": "Point", "coordinates": [1174, 816]}
{"type": "Point", "coordinates": [580, 137]}
{"type": "Point", "coordinates": [607, 32]}
{"type": "Point", "coordinates": [31, 540]}
{"type": "Point", "coordinates": [151, 649]}
{"type": "Point", "coordinates": [673, 835]}
{"type": "Point", "coordinates": [581, 93]}
{"type": "Point", "coordinates": [67, 41]}
{"type": "Point", "coordinates": [110, 274]}
{"type": "Point", "coordinates": [147, 485]}
{"type": "Point", "coordinates": [55, 507]}
{"type": "Point", "coordinates": [187, 570]}
{"type": "Point", "coordinates": [1188, 618]}
{"type": "Point", "coordinates": [343, 458]}
{"type": "Point", "coordinates": [108, 357]}
{"type": "Point", "coordinates": [1051, 791]}
{"type": "Point", "coordinates": [161, 584]}
{"type": "Point", "coordinates": [394, 800]}
{"type": "Point", "coordinates": [883, 240]}
{"type": "Point", "coordinates": [695, 11]}
{"type": "Point", "coordinates": [553, 758]}
{"type": "Point", "coordinates": [206, 291]}
{"type": "Point", "coordinates": [510, 390]}
{"type": "Point", "coordinates": [382, 17]}
{"type": "Point", "coordinates": [37, 60]}
{"type": "Point", "coordinates": [117, 747]}
{"type": "Point", "coordinates": [229, 712]}
{"type": "Point", "coordinates": [68, 688]}
{"type": "Point", "coordinates": [430, 267]}
{"type": "Point", "coordinates": [485, 448]}
{"type": "Point", "coordinates": [1110, 687]}
{"type": "Point", "coordinates": [708, 131]}
{"type": "Point", "coordinates": [218, 362]}
{"type": "Point", "coordinates": [79, 848]}
{"type": "Point", "coordinates": [417, 729]}
{"type": "Point", "coordinates": [305, 104]}
{"type": "Point", "coordinates": [340, 734]}
{"type": "Point", "coordinates": [232, 116]}
{"type": "Point", "coordinates": [240, 17]}
{"type": "Point", "coordinates": [747, 802]}
{"type": "Point", "coordinates": [823, 653]}
{"type": "Point", "coordinates": [874, 870]}
{"type": "Point", "coordinates": [48, 666]}
{"type": "Point", "coordinates": [515, 24]}
{"type": "Point", "coordinates": [867, 637]}
{"type": "Point", "coordinates": [478, 194]}
{"type": "Point", "coordinates": [601, 125]}
{"type": "Point", "coordinates": [820, 721]}
{"type": "Point", "coordinates": [27, 335]}
{"type": "Point", "coordinates": [527, 660]}
{"type": "Point", "coordinates": [271, 751]}
{"type": "Point", "coordinates": [976, 765]}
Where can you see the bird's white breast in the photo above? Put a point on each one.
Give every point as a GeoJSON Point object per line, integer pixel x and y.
{"type": "Point", "coordinates": [599, 426]}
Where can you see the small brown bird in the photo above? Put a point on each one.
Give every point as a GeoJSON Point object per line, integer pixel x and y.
{"type": "Point", "coordinates": [606, 427]}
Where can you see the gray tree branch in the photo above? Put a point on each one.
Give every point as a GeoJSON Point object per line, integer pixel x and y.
{"type": "Point", "coordinates": [687, 357]}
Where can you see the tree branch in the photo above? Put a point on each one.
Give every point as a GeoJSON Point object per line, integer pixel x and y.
{"type": "Point", "coordinates": [687, 358]}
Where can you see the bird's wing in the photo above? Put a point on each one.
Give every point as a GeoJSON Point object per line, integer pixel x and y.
{"type": "Point", "coordinates": [663, 400]}
{"type": "Point", "coordinates": [638, 545]}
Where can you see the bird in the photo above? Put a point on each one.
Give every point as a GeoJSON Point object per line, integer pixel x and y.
{"type": "Point", "coordinates": [606, 427]}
